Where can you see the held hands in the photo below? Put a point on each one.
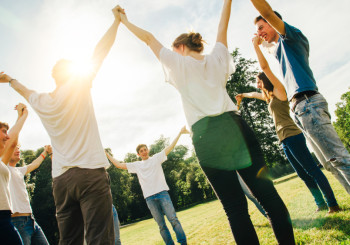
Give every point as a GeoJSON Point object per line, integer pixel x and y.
{"type": "Point", "coordinates": [21, 109]}
{"type": "Point", "coordinates": [256, 40]}
{"type": "Point", "coordinates": [184, 130]}
{"type": "Point", "coordinates": [119, 13]}
{"type": "Point", "coordinates": [48, 149]}
{"type": "Point", "coordinates": [239, 98]}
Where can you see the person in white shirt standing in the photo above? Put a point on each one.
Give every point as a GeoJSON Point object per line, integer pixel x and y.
{"type": "Point", "coordinates": [22, 217]}
{"type": "Point", "coordinates": [155, 189]}
{"type": "Point", "coordinates": [81, 186]}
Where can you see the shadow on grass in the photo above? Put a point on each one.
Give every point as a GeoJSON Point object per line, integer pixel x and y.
{"type": "Point", "coordinates": [324, 223]}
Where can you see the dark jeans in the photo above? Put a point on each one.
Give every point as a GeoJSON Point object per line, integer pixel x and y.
{"type": "Point", "coordinates": [228, 190]}
{"type": "Point", "coordinates": [8, 233]}
{"type": "Point", "coordinates": [31, 233]}
{"type": "Point", "coordinates": [301, 160]}
{"type": "Point", "coordinates": [83, 200]}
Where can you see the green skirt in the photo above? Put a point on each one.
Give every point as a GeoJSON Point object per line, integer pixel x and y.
{"type": "Point", "coordinates": [220, 142]}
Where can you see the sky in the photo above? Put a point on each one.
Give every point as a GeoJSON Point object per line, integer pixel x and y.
{"type": "Point", "coordinates": [133, 103]}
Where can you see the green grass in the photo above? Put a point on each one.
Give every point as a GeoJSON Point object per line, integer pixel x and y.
{"type": "Point", "coordinates": [207, 223]}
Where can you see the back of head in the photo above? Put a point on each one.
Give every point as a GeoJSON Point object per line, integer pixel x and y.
{"type": "Point", "coordinates": [4, 125]}
{"type": "Point", "coordinates": [138, 148]}
{"type": "Point", "coordinates": [62, 71]}
{"type": "Point", "coordinates": [191, 40]}
{"type": "Point", "coordinates": [262, 18]}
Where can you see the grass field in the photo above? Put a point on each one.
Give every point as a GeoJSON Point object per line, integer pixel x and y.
{"type": "Point", "coordinates": [207, 224]}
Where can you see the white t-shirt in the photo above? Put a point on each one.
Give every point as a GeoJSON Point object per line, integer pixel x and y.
{"type": "Point", "coordinates": [150, 174]}
{"type": "Point", "coordinates": [69, 119]}
{"type": "Point", "coordinates": [18, 190]}
{"type": "Point", "coordinates": [201, 83]}
{"type": "Point", "coordinates": [5, 200]}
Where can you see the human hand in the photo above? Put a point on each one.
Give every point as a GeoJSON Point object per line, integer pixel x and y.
{"type": "Point", "coordinates": [4, 78]}
{"type": "Point", "coordinates": [116, 12]}
{"type": "Point", "coordinates": [239, 98]}
{"type": "Point", "coordinates": [256, 40]}
{"type": "Point", "coordinates": [21, 109]}
{"type": "Point", "coordinates": [48, 149]}
{"type": "Point", "coordinates": [184, 130]}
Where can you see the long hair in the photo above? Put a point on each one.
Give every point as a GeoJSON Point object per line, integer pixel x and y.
{"type": "Point", "coordinates": [267, 88]}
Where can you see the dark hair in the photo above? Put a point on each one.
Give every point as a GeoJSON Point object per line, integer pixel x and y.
{"type": "Point", "coordinates": [191, 40]}
{"type": "Point", "coordinates": [4, 125]}
{"type": "Point", "coordinates": [262, 18]}
{"type": "Point", "coordinates": [138, 148]}
{"type": "Point", "coordinates": [268, 86]}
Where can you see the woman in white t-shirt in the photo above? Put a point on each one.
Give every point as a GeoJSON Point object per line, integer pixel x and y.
{"type": "Point", "coordinates": [8, 234]}
{"type": "Point", "coordinates": [223, 141]}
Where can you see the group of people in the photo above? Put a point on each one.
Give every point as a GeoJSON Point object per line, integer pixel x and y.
{"type": "Point", "coordinates": [226, 147]}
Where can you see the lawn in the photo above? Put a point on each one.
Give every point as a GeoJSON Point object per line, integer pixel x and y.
{"type": "Point", "coordinates": [207, 224]}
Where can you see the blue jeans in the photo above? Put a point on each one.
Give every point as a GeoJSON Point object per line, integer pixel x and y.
{"type": "Point", "coordinates": [8, 233]}
{"type": "Point", "coordinates": [301, 160]}
{"type": "Point", "coordinates": [312, 116]}
{"type": "Point", "coordinates": [250, 196]}
{"type": "Point", "coordinates": [160, 204]}
{"type": "Point", "coordinates": [30, 231]}
{"type": "Point", "coordinates": [116, 226]}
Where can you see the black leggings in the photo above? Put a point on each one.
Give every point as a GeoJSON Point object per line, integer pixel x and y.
{"type": "Point", "coordinates": [228, 190]}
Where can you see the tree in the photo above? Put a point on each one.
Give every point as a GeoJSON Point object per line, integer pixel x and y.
{"type": "Point", "coordinates": [255, 112]}
{"type": "Point", "coordinates": [342, 124]}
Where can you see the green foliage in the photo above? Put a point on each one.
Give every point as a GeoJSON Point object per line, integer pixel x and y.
{"type": "Point", "coordinates": [342, 125]}
{"type": "Point", "coordinates": [253, 111]}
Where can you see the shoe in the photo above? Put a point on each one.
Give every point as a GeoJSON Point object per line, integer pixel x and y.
{"type": "Point", "coordinates": [321, 208]}
{"type": "Point", "coordinates": [334, 209]}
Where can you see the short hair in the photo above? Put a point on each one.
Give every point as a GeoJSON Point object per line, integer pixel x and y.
{"type": "Point", "coordinates": [4, 125]}
{"type": "Point", "coordinates": [262, 18]}
{"type": "Point", "coordinates": [191, 40]}
{"type": "Point", "coordinates": [138, 148]}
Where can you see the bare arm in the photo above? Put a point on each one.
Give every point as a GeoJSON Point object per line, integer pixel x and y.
{"type": "Point", "coordinates": [278, 90]}
{"type": "Point", "coordinates": [14, 132]}
{"type": "Point", "coordinates": [21, 89]}
{"type": "Point", "coordinates": [172, 145]}
{"type": "Point", "coordinates": [37, 162]}
{"type": "Point", "coordinates": [266, 11]}
{"type": "Point", "coordinates": [143, 35]}
{"type": "Point", "coordinates": [223, 24]}
{"type": "Point", "coordinates": [115, 162]}
{"type": "Point", "coordinates": [252, 95]}
{"type": "Point", "coordinates": [105, 44]}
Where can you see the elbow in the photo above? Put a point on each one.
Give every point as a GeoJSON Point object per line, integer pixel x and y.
{"type": "Point", "coordinates": [149, 38]}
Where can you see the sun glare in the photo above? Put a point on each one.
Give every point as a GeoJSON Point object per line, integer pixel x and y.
{"type": "Point", "coordinates": [82, 68]}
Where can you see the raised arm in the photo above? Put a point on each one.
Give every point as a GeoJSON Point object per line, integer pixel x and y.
{"type": "Point", "coordinates": [37, 162]}
{"type": "Point", "coordinates": [266, 11]}
{"type": "Point", "coordinates": [21, 89]}
{"type": "Point", "coordinates": [105, 44]}
{"type": "Point", "coordinates": [14, 132]}
{"type": "Point", "coordinates": [115, 162]}
{"type": "Point", "coordinates": [223, 24]}
{"type": "Point", "coordinates": [143, 35]}
{"type": "Point", "coordinates": [172, 145]}
{"type": "Point", "coordinates": [278, 90]}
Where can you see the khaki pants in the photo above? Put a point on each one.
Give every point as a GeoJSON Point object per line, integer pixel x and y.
{"type": "Point", "coordinates": [83, 199]}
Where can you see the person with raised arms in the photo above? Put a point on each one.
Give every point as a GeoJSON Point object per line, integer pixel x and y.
{"type": "Point", "coordinates": [309, 108]}
{"type": "Point", "coordinates": [290, 136]}
{"type": "Point", "coordinates": [223, 141]}
{"type": "Point", "coordinates": [22, 217]}
{"type": "Point", "coordinates": [81, 186]}
{"type": "Point", "coordinates": [155, 189]}
{"type": "Point", "coordinates": [8, 142]}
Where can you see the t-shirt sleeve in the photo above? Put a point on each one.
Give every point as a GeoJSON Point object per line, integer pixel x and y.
{"type": "Point", "coordinates": [224, 58]}
{"type": "Point", "coordinates": [160, 157]}
{"type": "Point", "coordinates": [132, 167]}
{"type": "Point", "coordinates": [172, 63]}
{"type": "Point", "coordinates": [292, 33]}
{"type": "Point", "coordinates": [40, 102]}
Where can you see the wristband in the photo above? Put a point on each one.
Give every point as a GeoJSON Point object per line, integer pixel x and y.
{"type": "Point", "coordinates": [42, 156]}
{"type": "Point", "coordinates": [11, 81]}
